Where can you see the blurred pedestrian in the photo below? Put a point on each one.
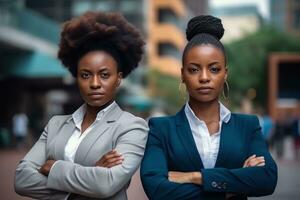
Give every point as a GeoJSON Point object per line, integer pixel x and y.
{"type": "Point", "coordinates": [20, 129]}
{"type": "Point", "coordinates": [296, 136]}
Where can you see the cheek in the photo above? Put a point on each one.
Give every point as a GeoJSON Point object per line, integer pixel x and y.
{"type": "Point", "coordinates": [81, 86]}
{"type": "Point", "coordinates": [110, 85]}
{"type": "Point", "coordinates": [220, 83]}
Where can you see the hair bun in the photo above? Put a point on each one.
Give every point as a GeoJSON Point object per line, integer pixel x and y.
{"type": "Point", "coordinates": [204, 24]}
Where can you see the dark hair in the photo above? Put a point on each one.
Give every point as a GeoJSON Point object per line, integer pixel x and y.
{"type": "Point", "coordinates": [204, 29]}
{"type": "Point", "coordinates": [110, 32]}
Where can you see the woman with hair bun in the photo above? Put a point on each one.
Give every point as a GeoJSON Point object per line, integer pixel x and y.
{"type": "Point", "coordinates": [205, 151]}
{"type": "Point", "coordinates": [93, 153]}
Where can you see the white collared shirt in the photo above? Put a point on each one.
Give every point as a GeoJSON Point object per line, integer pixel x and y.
{"type": "Point", "coordinates": [77, 137]}
{"type": "Point", "coordinates": [207, 145]}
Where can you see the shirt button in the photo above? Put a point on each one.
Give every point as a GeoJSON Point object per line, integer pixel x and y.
{"type": "Point", "coordinates": [214, 184]}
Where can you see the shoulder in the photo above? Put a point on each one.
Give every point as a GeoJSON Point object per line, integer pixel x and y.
{"type": "Point", "coordinates": [244, 122]}
{"type": "Point", "coordinates": [129, 120]}
{"type": "Point", "coordinates": [244, 118]}
{"type": "Point", "coordinates": [58, 120]}
{"type": "Point", "coordinates": [161, 121]}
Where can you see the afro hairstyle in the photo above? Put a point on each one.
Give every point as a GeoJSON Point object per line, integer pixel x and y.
{"type": "Point", "coordinates": [101, 31]}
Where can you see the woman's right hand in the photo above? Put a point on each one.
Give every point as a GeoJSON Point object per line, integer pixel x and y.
{"type": "Point", "coordinates": [110, 159]}
{"type": "Point", "coordinates": [254, 161]}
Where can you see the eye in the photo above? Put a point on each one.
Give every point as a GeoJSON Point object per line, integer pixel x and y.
{"type": "Point", "coordinates": [104, 75]}
{"type": "Point", "coordinates": [193, 70]}
{"type": "Point", "coordinates": [214, 69]}
{"type": "Point", "coordinates": [85, 75]}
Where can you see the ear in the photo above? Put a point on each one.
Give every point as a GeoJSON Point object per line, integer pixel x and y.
{"type": "Point", "coordinates": [182, 79]}
{"type": "Point", "coordinates": [226, 73]}
{"type": "Point", "coordinates": [120, 76]}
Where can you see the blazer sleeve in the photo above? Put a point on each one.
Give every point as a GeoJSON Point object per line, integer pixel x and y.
{"type": "Point", "coordinates": [250, 181]}
{"type": "Point", "coordinates": [154, 172]}
{"type": "Point", "coordinates": [28, 181]}
{"type": "Point", "coordinates": [103, 182]}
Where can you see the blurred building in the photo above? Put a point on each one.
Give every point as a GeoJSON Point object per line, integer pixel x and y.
{"type": "Point", "coordinates": [167, 20]}
{"type": "Point", "coordinates": [238, 21]}
{"type": "Point", "coordinates": [285, 15]}
{"type": "Point", "coordinates": [284, 86]}
{"type": "Point", "coordinates": [284, 68]}
{"type": "Point", "coordinates": [28, 65]}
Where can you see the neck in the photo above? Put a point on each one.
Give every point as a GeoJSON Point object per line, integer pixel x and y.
{"type": "Point", "coordinates": [92, 111]}
{"type": "Point", "coordinates": [206, 111]}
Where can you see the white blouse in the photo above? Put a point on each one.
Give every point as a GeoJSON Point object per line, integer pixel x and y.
{"type": "Point", "coordinates": [77, 137]}
{"type": "Point", "coordinates": [207, 145]}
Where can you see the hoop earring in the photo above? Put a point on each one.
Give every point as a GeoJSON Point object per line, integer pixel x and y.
{"type": "Point", "coordinates": [226, 90]}
{"type": "Point", "coordinates": [182, 90]}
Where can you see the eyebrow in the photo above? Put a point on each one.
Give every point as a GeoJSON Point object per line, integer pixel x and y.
{"type": "Point", "coordinates": [198, 65]}
{"type": "Point", "coordinates": [216, 62]}
{"type": "Point", "coordinates": [101, 70]}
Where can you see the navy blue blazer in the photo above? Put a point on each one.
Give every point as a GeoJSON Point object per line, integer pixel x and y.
{"type": "Point", "coordinates": [171, 147]}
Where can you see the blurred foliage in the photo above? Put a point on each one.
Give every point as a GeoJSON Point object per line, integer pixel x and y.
{"type": "Point", "coordinates": [165, 88]}
{"type": "Point", "coordinates": [248, 62]}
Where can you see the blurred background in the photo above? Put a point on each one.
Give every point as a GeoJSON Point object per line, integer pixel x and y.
{"type": "Point", "coordinates": [262, 41]}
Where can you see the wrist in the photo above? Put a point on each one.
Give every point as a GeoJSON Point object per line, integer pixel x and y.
{"type": "Point", "coordinates": [197, 178]}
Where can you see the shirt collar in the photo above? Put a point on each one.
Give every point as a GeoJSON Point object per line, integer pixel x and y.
{"type": "Point", "coordinates": [78, 115]}
{"type": "Point", "coordinates": [225, 113]}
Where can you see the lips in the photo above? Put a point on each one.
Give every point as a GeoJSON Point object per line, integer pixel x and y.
{"type": "Point", "coordinates": [96, 94]}
{"type": "Point", "coordinates": [204, 90]}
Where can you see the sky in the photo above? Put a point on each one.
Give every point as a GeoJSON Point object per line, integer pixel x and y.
{"type": "Point", "coordinates": [262, 5]}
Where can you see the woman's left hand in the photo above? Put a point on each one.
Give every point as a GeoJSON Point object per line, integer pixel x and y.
{"type": "Point", "coordinates": [185, 177]}
{"type": "Point", "coordinates": [254, 161]}
{"type": "Point", "coordinates": [46, 167]}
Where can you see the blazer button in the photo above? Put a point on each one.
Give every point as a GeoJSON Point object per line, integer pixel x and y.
{"type": "Point", "coordinates": [214, 184]}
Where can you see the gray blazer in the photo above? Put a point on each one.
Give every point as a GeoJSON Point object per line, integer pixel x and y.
{"type": "Point", "coordinates": [117, 129]}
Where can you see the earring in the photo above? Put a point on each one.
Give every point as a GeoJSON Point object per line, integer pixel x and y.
{"type": "Point", "coordinates": [226, 90]}
{"type": "Point", "coordinates": [182, 89]}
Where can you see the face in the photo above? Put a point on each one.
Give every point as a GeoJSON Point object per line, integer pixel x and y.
{"type": "Point", "coordinates": [204, 73]}
{"type": "Point", "coordinates": [98, 78]}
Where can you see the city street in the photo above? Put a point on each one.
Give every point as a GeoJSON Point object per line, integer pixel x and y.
{"type": "Point", "coordinates": [287, 187]}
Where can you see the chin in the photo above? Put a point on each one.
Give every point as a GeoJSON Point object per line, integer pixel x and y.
{"type": "Point", "coordinates": [207, 99]}
{"type": "Point", "coordinates": [96, 104]}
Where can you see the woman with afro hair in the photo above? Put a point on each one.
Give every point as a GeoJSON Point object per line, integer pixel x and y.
{"type": "Point", "coordinates": [205, 151]}
{"type": "Point", "coordinates": [92, 153]}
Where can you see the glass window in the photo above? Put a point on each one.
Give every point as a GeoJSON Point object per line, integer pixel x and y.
{"type": "Point", "coordinates": [297, 19]}
{"type": "Point", "coordinates": [131, 6]}
{"type": "Point", "coordinates": [80, 7]}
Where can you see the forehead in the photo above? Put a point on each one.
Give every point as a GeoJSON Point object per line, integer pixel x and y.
{"type": "Point", "coordinates": [96, 59]}
{"type": "Point", "coordinates": [204, 52]}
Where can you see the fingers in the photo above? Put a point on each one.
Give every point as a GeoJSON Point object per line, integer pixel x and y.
{"type": "Point", "coordinates": [248, 159]}
{"type": "Point", "coordinates": [110, 159]}
{"type": "Point", "coordinates": [111, 154]}
{"type": "Point", "coordinates": [258, 161]}
{"type": "Point", "coordinates": [253, 161]}
{"type": "Point", "coordinates": [113, 161]}
{"type": "Point", "coordinates": [173, 176]}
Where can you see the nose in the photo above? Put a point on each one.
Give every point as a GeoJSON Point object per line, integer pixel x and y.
{"type": "Point", "coordinates": [204, 77]}
{"type": "Point", "coordinates": [95, 82]}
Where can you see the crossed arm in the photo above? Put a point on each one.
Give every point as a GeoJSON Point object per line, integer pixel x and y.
{"type": "Point", "coordinates": [36, 177]}
{"type": "Point", "coordinates": [257, 177]}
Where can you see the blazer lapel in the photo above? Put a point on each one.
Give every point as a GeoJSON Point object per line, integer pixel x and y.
{"type": "Point", "coordinates": [99, 129]}
{"type": "Point", "coordinates": [63, 136]}
{"type": "Point", "coordinates": [225, 142]}
{"type": "Point", "coordinates": [185, 134]}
